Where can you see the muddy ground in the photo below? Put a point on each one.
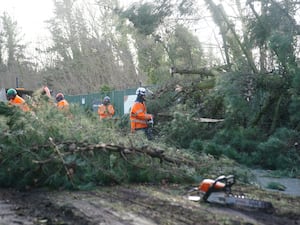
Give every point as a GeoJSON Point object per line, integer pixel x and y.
{"type": "Point", "coordinates": [138, 205]}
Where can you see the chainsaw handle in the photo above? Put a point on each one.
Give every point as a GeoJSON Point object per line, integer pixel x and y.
{"type": "Point", "coordinates": [220, 178]}
{"type": "Point", "coordinates": [228, 180]}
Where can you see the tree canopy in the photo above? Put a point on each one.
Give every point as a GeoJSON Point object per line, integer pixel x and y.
{"type": "Point", "coordinates": [239, 99]}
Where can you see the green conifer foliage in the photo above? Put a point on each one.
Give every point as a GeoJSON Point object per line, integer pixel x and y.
{"type": "Point", "coordinates": [48, 148]}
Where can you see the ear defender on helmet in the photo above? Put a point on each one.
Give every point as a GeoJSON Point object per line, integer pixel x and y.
{"type": "Point", "coordinates": [140, 91]}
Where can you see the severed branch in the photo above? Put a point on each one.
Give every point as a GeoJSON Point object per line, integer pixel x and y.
{"type": "Point", "coordinates": [56, 149]}
{"type": "Point", "coordinates": [72, 147]}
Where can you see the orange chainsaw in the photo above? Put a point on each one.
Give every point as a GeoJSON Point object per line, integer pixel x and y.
{"type": "Point", "coordinates": [219, 191]}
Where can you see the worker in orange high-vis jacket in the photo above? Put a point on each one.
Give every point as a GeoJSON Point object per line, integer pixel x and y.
{"type": "Point", "coordinates": [16, 100]}
{"type": "Point", "coordinates": [106, 109]}
{"type": "Point", "coordinates": [61, 102]}
{"type": "Point", "coordinates": [139, 118]}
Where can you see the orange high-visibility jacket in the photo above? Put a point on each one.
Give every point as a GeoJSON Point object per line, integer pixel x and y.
{"type": "Point", "coordinates": [63, 105]}
{"type": "Point", "coordinates": [20, 102]}
{"type": "Point", "coordinates": [139, 116]}
{"type": "Point", "coordinates": [106, 111]}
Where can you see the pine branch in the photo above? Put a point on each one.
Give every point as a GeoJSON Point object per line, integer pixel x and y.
{"type": "Point", "coordinates": [77, 147]}
{"type": "Point", "coordinates": [61, 156]}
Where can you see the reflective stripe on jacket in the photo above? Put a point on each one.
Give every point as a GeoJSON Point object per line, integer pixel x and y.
{"type": "Point", "coordinates": [139, 116]}
{"type": "Point", "coordinates": [20, 102]}
{"type": "Point", "coordinates": [106, 111]}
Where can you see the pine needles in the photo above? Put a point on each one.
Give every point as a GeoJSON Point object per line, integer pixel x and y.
{"type": "Point", "coordinates": [48, 149]}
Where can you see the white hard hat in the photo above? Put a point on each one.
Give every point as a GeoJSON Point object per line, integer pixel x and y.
{"type": "Point", "coordinates": [141, 91]}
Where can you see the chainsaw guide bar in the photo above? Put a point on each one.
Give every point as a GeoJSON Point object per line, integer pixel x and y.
{"type": "Point", "coordinates": [219, 191]}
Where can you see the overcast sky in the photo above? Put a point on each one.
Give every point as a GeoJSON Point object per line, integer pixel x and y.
{"type": "Point", "coordinates": [31, 14]}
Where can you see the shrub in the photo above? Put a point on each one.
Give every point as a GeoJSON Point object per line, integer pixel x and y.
{"type": "Point", "coordinates": [196, 145]}
{"type": "Point", "coordinates": [213, 149]}
{"type": "Point", "coordinates": [279, 151]}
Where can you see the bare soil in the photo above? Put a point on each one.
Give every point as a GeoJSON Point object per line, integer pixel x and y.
{"type": "Point", "coordinates": [138, 205]}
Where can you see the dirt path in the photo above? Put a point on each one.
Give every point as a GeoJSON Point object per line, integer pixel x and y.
{"type": "Point", "coordinates": [132, 205]}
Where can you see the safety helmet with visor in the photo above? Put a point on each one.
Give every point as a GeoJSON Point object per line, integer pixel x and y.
{"type": "Point", "coordinates": [11, 93]}
{"type": "Point", "coordinates": [59, 97]}
{"type": "Point", "coordinates": [141, 91]}
{"type": "Point", "coordinates": [106, 100]}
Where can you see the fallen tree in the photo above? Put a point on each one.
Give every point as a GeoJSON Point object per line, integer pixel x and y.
{"type": "Point", "coordinates": [48, 149]}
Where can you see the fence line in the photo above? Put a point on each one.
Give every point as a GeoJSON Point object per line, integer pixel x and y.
{"type": "Point", "coordinates": [91, 101]}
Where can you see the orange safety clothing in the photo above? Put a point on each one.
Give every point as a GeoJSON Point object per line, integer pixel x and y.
{"type": "Point", "coordinates": [20, 102]}
{"type": "Point", "coordinates": [106, 111]}
{"type": "Point", "coordinates": [139, 116]}
{"type": "Point", "coordinates": [62, 105]}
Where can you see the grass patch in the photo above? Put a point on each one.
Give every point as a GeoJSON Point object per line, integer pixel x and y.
{"type": "Point", "coordinates": [276, 186]}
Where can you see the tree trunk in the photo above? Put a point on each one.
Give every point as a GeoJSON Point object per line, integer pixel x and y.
{"type": "Point", "coordinates": [225, 25]}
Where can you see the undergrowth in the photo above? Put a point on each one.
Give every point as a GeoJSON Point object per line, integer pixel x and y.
{"type": "Point", "coordinates": [49, 149]}
{"type": "Point", "coordinates": [229, 132]}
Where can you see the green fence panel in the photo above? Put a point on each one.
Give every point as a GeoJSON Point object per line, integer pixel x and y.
{"type": "Point", "coordinates": [91, 101]}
